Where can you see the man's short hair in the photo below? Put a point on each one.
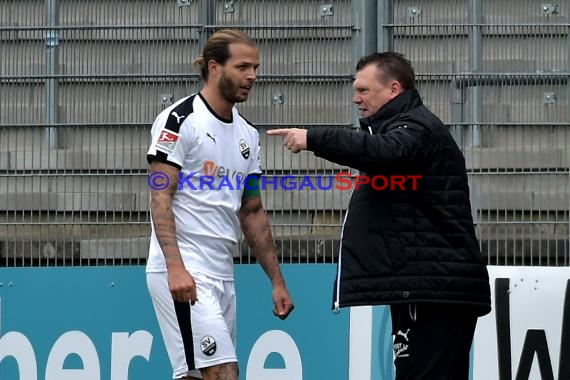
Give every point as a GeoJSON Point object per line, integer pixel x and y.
{"type": "Point", "coordinates": [393, 66]}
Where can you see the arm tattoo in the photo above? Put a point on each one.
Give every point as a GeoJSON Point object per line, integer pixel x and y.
{"type": "Point", "coordinates": [257, 231]}
{"type": "Point", "coordinates": [163, 218]}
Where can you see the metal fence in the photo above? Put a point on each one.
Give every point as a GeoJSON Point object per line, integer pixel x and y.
{"type": "Point", "coordinates": [81, 83]}
{"type": "Point", "coordinates": [497, 71]}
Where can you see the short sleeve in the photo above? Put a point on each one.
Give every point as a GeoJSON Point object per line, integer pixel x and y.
{"type": "Point", "coordinates": [255, 165]}
{"type": "Point", "coordinates": [171, 139]}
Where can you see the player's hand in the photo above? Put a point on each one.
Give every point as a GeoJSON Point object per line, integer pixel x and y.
{"type": "Point", "coordinates": [283, 302]}
{"type": "Point", "coordinates": [182, 285]}
{"type": "Point", "coordinates": [295, 139]}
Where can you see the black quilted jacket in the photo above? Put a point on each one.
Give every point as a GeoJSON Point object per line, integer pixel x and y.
{"type": "Point", "coordinates": [405, 246]}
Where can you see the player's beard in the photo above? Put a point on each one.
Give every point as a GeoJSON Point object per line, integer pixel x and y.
{"type": "Point", "coordinates": [230, 90]}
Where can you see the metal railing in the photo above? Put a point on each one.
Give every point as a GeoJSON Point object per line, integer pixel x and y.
{"type": "Point", "coordinates": [81, 83]}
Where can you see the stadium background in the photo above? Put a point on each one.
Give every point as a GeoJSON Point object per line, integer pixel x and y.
{"type": "Point", "coordinates": [81, 82]}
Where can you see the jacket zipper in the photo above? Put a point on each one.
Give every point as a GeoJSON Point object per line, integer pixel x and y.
{"type": "Point", "coordinates": [337, 300]}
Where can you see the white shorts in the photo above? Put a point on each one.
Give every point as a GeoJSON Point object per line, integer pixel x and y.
{"type": "Point", "coordinates": [198, 336]}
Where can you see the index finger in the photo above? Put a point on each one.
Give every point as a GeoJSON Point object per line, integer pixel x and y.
{"type": "Point", "coordinates": [278, 132]}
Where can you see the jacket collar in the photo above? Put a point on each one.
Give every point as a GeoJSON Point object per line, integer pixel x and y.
{"type": "Point", "coordinates": [402, 103]}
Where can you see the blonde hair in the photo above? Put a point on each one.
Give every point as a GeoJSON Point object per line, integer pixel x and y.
{"type": "Point", "coordinates": [217, 48]}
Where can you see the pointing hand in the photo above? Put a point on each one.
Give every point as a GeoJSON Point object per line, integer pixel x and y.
{"type": "Point", "coordinates": [295, 139]}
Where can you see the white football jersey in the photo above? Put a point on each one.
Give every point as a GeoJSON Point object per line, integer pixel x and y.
{"type": "Point", "coordinates": [214, 157]}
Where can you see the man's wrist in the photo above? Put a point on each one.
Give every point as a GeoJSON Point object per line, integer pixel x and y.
{"type": "Point", "coordinates": [172, 262]}
{"type": "Point", "coordinates": [278, 281]}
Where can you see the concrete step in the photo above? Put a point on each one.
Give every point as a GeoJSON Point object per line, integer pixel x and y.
{"type": "Point", "coordinates": [67, 160]}
{"type": "Point", "coordinates": [291, 249]}
{"type": "Point", "coordinates": [136, 102]}
{"type": "Point", "coordinates": [494, 225]}
{"type": "Point", "coordinates": [37, 226]}
{"type": "Point", "coordinates": [35, 238]}
{"type": "Point", "coordinates": [28, 142]}
{"type": "Point", "coordinates": [307, 249]}
{"type": "Point", "coordinates": [130, 193]}
{"type": "Point", "coordinates": [520, 191]}
{"type": "Point", "coordinates": [141, 12]}
{"type": "Point", "coordinates": [83, 236]}
{"type": "Point", "coordinates": [95, 249]}
{"type": "Point", "coordinates": [171, 56]}
{"type": "Point", "coordinates": [115, 251]}
{"type": "Point", "coordinates": [530, 149]}
{"type": "Point", "coordinates": [86, 183]}
{"type": "Point", "coordinates": [430, 12]}
{"type": "Point", "coordinates": [306, 199]}
{"type": "Point", "coordinates": [506, 14]}
{"type": "Point", "coordinates": [302, 56]}
{"type": "Point", "coordinates": [534, 140]}
{"type": "Point", "coordinates": [284, 102]}
{"type": "Point", "coordinates": [131, 248]}
{"type": "Point", "coordinates": [510, 158]}
{"type": "Point", "coordinates": [523, 104]}
{"type": "Point", "coordinates": [70, 202]}
{"type": "Point", "coordinates": [526, 251]}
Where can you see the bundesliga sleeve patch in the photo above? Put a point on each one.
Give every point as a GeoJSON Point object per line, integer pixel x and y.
{"type": "Point", "coordinates": [166, 141]}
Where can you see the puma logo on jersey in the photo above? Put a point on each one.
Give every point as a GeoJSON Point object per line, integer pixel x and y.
{"type": "Point", "coordinates": [178, 118]}
{"type": "Point", "coordinates": [211, 136]}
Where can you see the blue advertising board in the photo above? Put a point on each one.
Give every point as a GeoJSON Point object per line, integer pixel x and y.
{"type": "Point", "coordinates": [95, 323]}
{"type": "Point", "coordinates": [382, 362]}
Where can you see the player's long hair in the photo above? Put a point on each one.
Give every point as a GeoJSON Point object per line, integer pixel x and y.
{"type": "Point", "coordinates": [217, 48]}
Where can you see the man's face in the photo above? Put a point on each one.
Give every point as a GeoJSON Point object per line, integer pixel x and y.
{"type": "Point", "coordinates": [372, 91]}
{"type": "Point", "coordinates": [239, 73]}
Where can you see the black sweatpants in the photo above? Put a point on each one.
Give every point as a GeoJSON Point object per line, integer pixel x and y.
{"type": "Point", "coordinates": [432, 341]}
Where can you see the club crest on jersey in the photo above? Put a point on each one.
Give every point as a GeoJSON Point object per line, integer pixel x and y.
{"type": "Point", "coordinates": [166, 141]}
{"type": "Point", "coordinates": [244, 149]}
{"type": "Point", "coordinates": [208, 345]}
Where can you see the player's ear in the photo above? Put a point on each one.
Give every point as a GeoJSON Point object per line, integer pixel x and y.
{"type": "Point", "coordinates": [213, 68]}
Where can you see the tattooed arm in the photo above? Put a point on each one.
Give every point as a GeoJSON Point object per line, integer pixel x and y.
{"type": "Point", "coordinates": [255, 227]}
{"type": "Point", "coordinates": [181, 284]}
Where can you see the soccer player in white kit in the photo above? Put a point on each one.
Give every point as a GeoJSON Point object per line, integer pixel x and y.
{"type": "Point", "coordinates": [202, 150]}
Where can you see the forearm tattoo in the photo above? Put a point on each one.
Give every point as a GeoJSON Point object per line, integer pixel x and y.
{"type": "Point", "coordinates": [164, 225]}
{"type": "Point", "coordinates": [257, 231]}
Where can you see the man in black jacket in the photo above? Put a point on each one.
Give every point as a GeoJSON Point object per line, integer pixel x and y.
{"type": "Point", "coordinates": [408, 245]}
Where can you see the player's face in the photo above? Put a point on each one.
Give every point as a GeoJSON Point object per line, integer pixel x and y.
{"type": "Point", "coordinates": [239, 73]}
{"type": "Point", "coordinates": [372, 91]}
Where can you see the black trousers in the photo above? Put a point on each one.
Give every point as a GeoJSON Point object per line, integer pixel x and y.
{"type": "Point", "coordinates": [432, 341]}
